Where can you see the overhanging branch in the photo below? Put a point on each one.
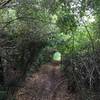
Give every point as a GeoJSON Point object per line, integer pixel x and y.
{"type": "Point", "coordinates": [4, 3]}
{"type": "Point", "coordinates": [21, 18]}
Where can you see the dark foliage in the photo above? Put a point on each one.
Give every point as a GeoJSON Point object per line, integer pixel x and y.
{"type": "Point", "coordinates": [83, 71]}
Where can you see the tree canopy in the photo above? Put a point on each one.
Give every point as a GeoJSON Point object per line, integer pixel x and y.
{"type": "Point", "coordinates": [31, 31]}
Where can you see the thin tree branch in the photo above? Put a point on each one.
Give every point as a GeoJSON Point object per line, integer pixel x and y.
{"type": "Point", "coordinates": [4, 3]}
{"type": "Point", "coordinates": [18, 18]}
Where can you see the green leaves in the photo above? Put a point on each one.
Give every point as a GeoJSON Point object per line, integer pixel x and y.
{"type": "Point", "coordinates": [67, 23]}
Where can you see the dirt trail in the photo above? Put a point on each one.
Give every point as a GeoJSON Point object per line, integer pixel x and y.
{"type": "Point", "coordinates": [47, 84]}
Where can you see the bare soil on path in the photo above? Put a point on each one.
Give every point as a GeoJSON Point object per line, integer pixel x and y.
{"type": "Point", "coordinates": [47, 84]}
